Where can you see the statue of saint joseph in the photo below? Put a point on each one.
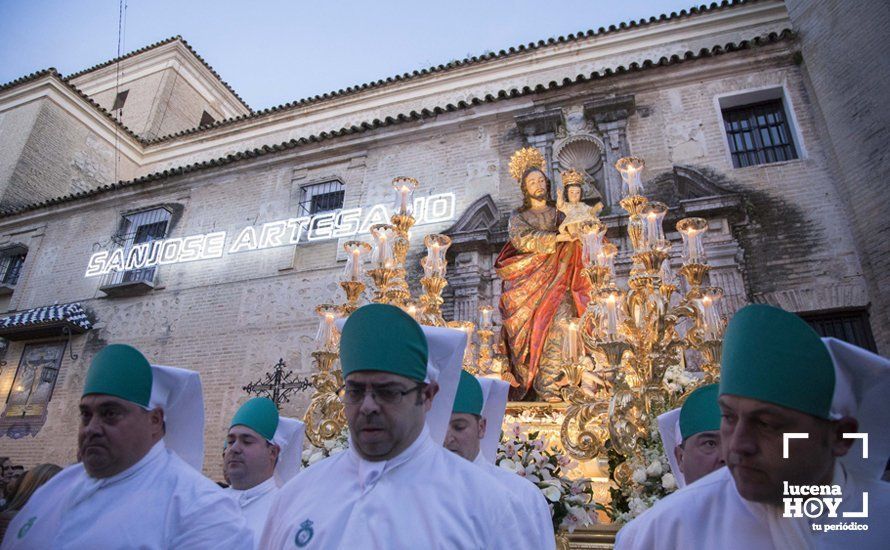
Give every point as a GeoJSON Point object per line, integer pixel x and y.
{"type": "Point", "coordinates": [543, 284]}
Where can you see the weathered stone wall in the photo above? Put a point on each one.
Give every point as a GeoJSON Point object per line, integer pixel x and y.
{"type": "Point", "coordinates": [15, 127]}
{"type": "Point", "coordinates": [842, 45]}
{"type": "Point", "coordinates": [179, 107]}
{"type": "Point", "coordinates": [61, 156]}
{"type": "Point", "coordinates": [159, 104]}
{"type": "Point", "coordinates": [796, 239]}
{"type": "Point", "coordinates": [142, 103]}
{"type": "Point", "coordinates": [231, 319]}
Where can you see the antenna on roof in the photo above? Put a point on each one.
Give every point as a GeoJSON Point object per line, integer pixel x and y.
{"type": "Point", "coordinates": [121, 41]}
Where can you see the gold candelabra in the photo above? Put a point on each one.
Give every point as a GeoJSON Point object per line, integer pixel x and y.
{"type": "Point", "coordinates": [617, 353]}
{"type": "Point", "coordinates": [388, 276]}
{"type": "Point", "coordinates": [324, 417]}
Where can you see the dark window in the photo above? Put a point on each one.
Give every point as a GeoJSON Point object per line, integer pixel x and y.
{"type": "Point", "coordinates": [120, 100]}
{"type": "Point", "coordinates": [758, 133]}
{"type": "Point", "coordinates": [321, 197]}
{"type": "Point", "coordinates": [11, 268]}
{"type": "Point", "coordinates": [849, 325]}
{"type": "Point", "coordinates": [206, 119]}
{"type": "Point", "coordinates": [151, 231]}
{"type": "Point", "coordinates": [139, 228]}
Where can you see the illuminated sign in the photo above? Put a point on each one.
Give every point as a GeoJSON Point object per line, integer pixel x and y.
{"type": "Point", "coordinates": [290, 232]}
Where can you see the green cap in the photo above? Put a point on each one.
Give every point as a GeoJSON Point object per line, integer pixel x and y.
{"type": "Point", "coordinates": [379, 337]}
{"type": "Point", "coordinates": [700, 412]}
{"type": "Point", "coordinates": [260, 415]}
{"type": "Point", "coordinates": [468, 399]}
{"type": "Point", "coordinates": [121, 371]}
{"type": "Point", "coordinates": [772, 355]}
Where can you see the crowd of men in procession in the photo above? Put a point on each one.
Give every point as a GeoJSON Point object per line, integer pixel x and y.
{"type": "Point", "coordinates": [419, 471]}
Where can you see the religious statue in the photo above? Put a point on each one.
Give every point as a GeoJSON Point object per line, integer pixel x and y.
{"type": "Point", "coordinates": [568, 201]}
{"type": "Point", "coordinates": [541, 271]}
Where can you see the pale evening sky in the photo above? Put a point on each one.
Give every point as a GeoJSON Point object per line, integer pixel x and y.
{"type": "Point", "coordinates": [273, 52]}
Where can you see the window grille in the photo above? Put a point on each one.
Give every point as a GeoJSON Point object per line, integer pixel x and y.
{"type": "Point", "coordinates": [11, 267]}
{"type": "Point", "coordinates": [321, 197]}
{"type": "Point", "coordinates": [139, 228]}
{"type": "Point", "coordinates": [758, 133]}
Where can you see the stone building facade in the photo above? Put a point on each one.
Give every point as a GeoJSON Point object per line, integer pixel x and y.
{"type": "Point", "coordinates": [81, 176]}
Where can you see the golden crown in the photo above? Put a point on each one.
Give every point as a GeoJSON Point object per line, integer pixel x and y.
{"type": "Point", "coordinates": [523, 159]}
{"type": "Point", "coordinates": [572, 177]}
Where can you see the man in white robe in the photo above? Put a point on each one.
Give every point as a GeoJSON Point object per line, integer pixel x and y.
{"type": "Point", "coordinates": [778, 377]}
{"type": "Point", "coordinates": [396, 487]}
{"type": "Point", "coordinates": [262, 453]}
{"type": "Point", "coordinates": [468, 429]}
{"type": "Point", "coordinates": [690, 436]}
{"type": "Point", "coordinates": [139, 485]}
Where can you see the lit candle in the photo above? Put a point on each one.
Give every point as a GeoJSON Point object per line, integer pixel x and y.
{"type": "Point", "coordinates": [592, 234]}
{"type": "Point", "coordinates": [356, 266]}
{"type": "Point", "coordinates": [606, 258]}
{"type": "Point", "coordinates": [654, 213]}
{"type": "Point", "coordinates": [485, 314]}
{"type": "Point", "coordinates": [412, 311]}
{"type": "Point", "coordinates": [630, 169]}
{"type": "Point", "coordinates": [404, 188]}
{"type": "Point", "coordinates": [667, 274]}
{"type": "Point", "coordinates": [572, 336]}
{"type": "Point", "coordinates": [326, 338]}
{"type": "Point", "coordinates": [692, 229]}
{"type": "Point", "coordinates": [708, 306]}
{"type": "Point", "coordinates": [382, 253]}
{"type": "Point", "coordinates": [435, 262]}
{"type": "Point", "coordinates": [356, 251]}
{"type": "Point", "coordinates": [611, 314]}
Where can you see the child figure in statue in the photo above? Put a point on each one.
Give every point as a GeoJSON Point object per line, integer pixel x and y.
{"type": "Point", "coordinates": [568, 201]}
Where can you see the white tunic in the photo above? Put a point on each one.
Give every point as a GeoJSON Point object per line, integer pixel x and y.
{"type": "Point", "coordinates": [710, 513]}
{"type": "Point", "coordinates": [535, 518]}
{"type": "Point", "coordinates": [158, 503]}
{"type": "Point", "coordinates": [426, 497]}
{"type": "Point", "coordinates": [255, 504]}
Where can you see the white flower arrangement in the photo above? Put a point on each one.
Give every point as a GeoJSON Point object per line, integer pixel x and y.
{"type": "Point", "coordinates": [528, 455]}
{"type": "Point", "coordinates": [651, 479]}
{"type": "Point", "coordinates": [338, 444]}
{"type": "Point", "coordinates": [677, 379]}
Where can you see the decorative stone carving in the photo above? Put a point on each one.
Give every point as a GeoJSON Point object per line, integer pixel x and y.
{"type": "Point", "coordinates": [582, 152]}
{"type": "Point", "coordinates": [610, 118]}
{"type": "Point", "coordinates": [476, 239]}
{"type": "Point", "coordinates": [539, 129]}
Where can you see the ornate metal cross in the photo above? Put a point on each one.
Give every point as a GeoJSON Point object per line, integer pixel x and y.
{"type": "Point", "coordinates": [278, 384]}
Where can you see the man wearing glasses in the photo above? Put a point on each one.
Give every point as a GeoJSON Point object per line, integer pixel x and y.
{"type": "Point", "coordinates": [395, 487]}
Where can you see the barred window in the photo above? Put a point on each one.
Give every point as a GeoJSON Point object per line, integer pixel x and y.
{"type": "Point", "coordinates": [139, 228]}
{"type": "Point", "coordinates": [321, 197]}
{"type": "Point", "coordinates": [11, 263]}
{"type": "Point", "coordinates": [758, 133]}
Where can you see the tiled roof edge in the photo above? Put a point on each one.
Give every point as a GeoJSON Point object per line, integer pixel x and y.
{"type": "Point", "coordinates": [704, 53]}
{"type": "Point", "coordinates": [53, 73]}
{"type": "Point", "coordinates": [512, 51]}
{"type": "Point", "coordinates": [157, 45]}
